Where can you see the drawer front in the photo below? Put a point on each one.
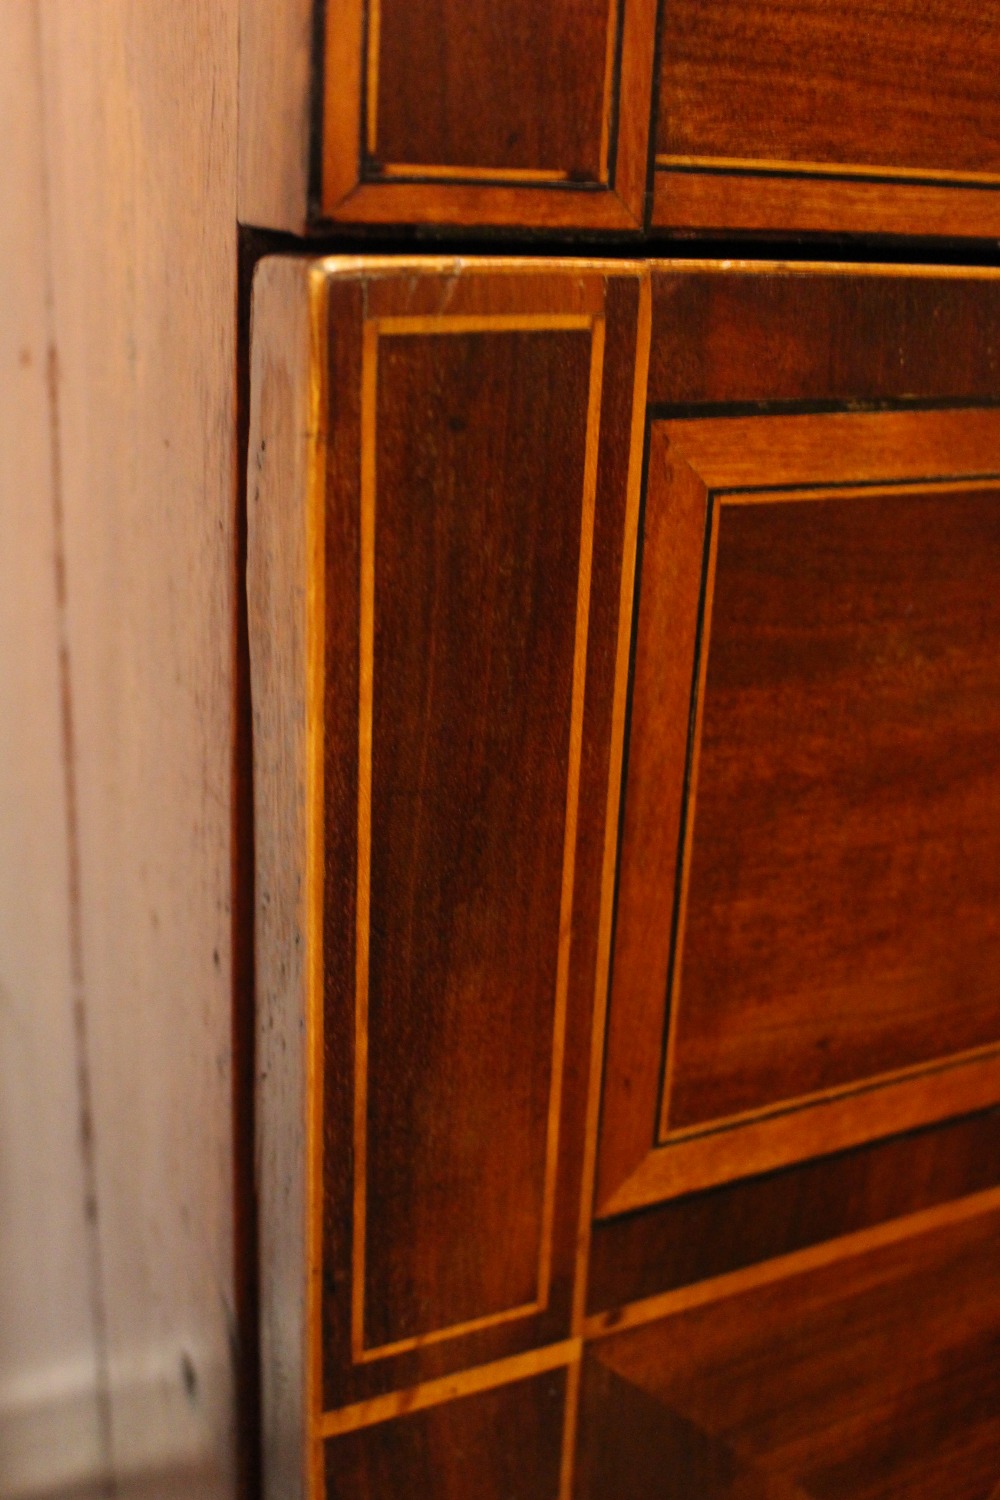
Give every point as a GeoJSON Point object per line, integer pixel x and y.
{"type": "Point", "coordinates": [829, 115]}
{"type": "Point", "coordinates": [805, 116]}
{"type": "Point", "coordinates": [620, 951]}
{"type": "Point", "coordinates": [466, 112]}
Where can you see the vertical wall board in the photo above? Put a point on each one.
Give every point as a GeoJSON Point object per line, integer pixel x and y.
{"type": "Point", "coordinates": [49, 1430]}
{"type": "Point", "coordinates": [140, 118]}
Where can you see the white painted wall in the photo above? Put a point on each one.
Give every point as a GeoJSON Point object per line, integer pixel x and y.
{"type": "Point", "coordinates": [49, 1428]}
{"type": "Point", "coordinates": [118, 249]}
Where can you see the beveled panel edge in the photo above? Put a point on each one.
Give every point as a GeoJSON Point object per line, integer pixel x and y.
{"type": "Point", "coordinates": [940, 1092]}
{"type": "Point", "coordinates": [942, 1087]}
{"type": "Point", "coordinates": [627, 585]}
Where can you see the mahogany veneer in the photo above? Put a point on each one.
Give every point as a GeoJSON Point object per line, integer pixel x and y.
{"type": "Point", "coordinates": [625, 646]}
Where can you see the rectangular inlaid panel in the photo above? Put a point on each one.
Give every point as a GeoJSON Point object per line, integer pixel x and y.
{"type": "Point", "coordinates": [518, 88]}
{"type": "Point", "coordinates": [826, 114]}
{"type": "Point", "coordinates": [474, 618]}
{"type": "Point", "coordinates": [874, 1378]}
{"type": "Point", "coordinates": [842, 910]}
{"type": "Point", "coordinates": [495, 1445]}
{"type": "Point", "coordinates": [464, 111]}
{"type": "Point", "coordinates": [482, 460]}
{"type": "Point", "coordinates": [806, 948]}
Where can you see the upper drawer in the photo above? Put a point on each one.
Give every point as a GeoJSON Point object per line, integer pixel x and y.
{"type": "Point", "coordinates": [456, 112]}
{"type": "Point", "coordinates": [867, 116]}
{"type": "Point", "coordinates": [797, 116]}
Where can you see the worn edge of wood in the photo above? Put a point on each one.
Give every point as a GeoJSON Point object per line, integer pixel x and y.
{"type": "Point", "coordinates": [285, 406]}
{"type": "Point", "coordinates": [275, 107]}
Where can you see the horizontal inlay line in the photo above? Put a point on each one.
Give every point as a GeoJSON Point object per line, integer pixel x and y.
{"type": "Point", "coordinates": [854, 489]}
{"type": "Point", "coordinates": [450, 1331]}
{"type": "Point", "coordinates": [468, 174]}
{"type": "Point", "coordinates": [406, 324]}
{"type": "Point", "coordinates": [762, 167]}
{"type": "Point", "coordinates": [447, 1388]}
{"type": "Point", "coordinates": [853, 1090]}
{"type": "Point", "coordinates": [813, 1258]}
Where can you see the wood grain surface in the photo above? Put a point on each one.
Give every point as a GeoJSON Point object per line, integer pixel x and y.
{"type": "Point", "coordinates": [662, 870]}
{"type": "Point", "coordinates": [451, 1451]}
{"type": "Point", "coordinates": [851, 731]}
{"type": "Point", "coordinates": [821, 1385]}
{"type": "Point", "coordinates": [440, 111]}
{"type": "Point", "coordinates": [746, 1223]}
{"type": "Point", "coordinates": [825, 117]}
{"type": "Point", "coordinates": [905, 88]}
{"type": "Point", "coordinates": [434, 715]}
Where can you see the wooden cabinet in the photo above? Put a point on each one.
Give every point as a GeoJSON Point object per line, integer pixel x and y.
{"type": "Point", "coordinates": [705, 116]}
{"type": "Point", "coordinates": [624, 642]}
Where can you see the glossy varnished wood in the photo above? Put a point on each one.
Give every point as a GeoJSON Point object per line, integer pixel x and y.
{"type": "Point", "coordinates": [469, 814]}
{"type": "Point", "coordinates": [429, 1080]}
{"type": "Point", "coordinates": [725, 1229]}
{"type": "Point", "coordinates": [818, 116]}
{"type": "Point", "coordinates": [702, 474]}
{"type": "Point", "coordinates": [829, 1383]}
{"type": "Point", "coordinates": [850, 726]}
{"type": "Point", "coordinates": [451, 1451]}
{"type": "Point", "coordinates": [456, 669]}
{"type": "Point", "coordinates": [442, 112]}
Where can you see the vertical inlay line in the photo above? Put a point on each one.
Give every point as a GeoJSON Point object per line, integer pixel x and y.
{"type": "Point", "coordinates": [372, 67]}
{"type": "Point", "coordinates": [399, 326]}
{"type": "Point", "coordinates": [610, 859]}
{"type": "Point", "coordinates": [366, 683]}
{"type": "Point", "coordinates": [315, 671]}
{"type": "Point", "coordinates": [572, 801]}
{"type": "Point", "coordinates": [704, 631]}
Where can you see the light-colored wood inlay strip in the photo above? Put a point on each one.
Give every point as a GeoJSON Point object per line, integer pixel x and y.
{"type": "Point", "coordinates": [852, 1090]}
{"type": "Point", "coordinates": [318, 291]}
{"type": "Point", "coordinates": [571, 1423]}
{"type": "Point", "coordinates": [874, 491]}
{"type": "Point", "coordinates": [399, 327]}
{"type": "Point", "coordinates": [440, 171]}
{"type": "Point", "coordinates": [592, 449]}
{"type": "Point", "coordinates": [525, 175]}
{"type": "Point", "coordinates": [450, 1331]}
{"type": "Point", "coordinates": [366, 676]}
{"type": "Point", "coordinates": [448, 1388]}
{"type": "Point", "coordinates": [813, 1258]}
{"type": "Point", "coordinates": [826, 1127]}
{"type": "Point", "coordinates": [615, 773]}
{"type": "Point", "coordinates": [705, 628]}
{"type": "Point", "coordinates": [822, 169]}
{"type": "Point", "coordinates": [372, 74]}
{"type": "Point", "coordinates": [374, 329]}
